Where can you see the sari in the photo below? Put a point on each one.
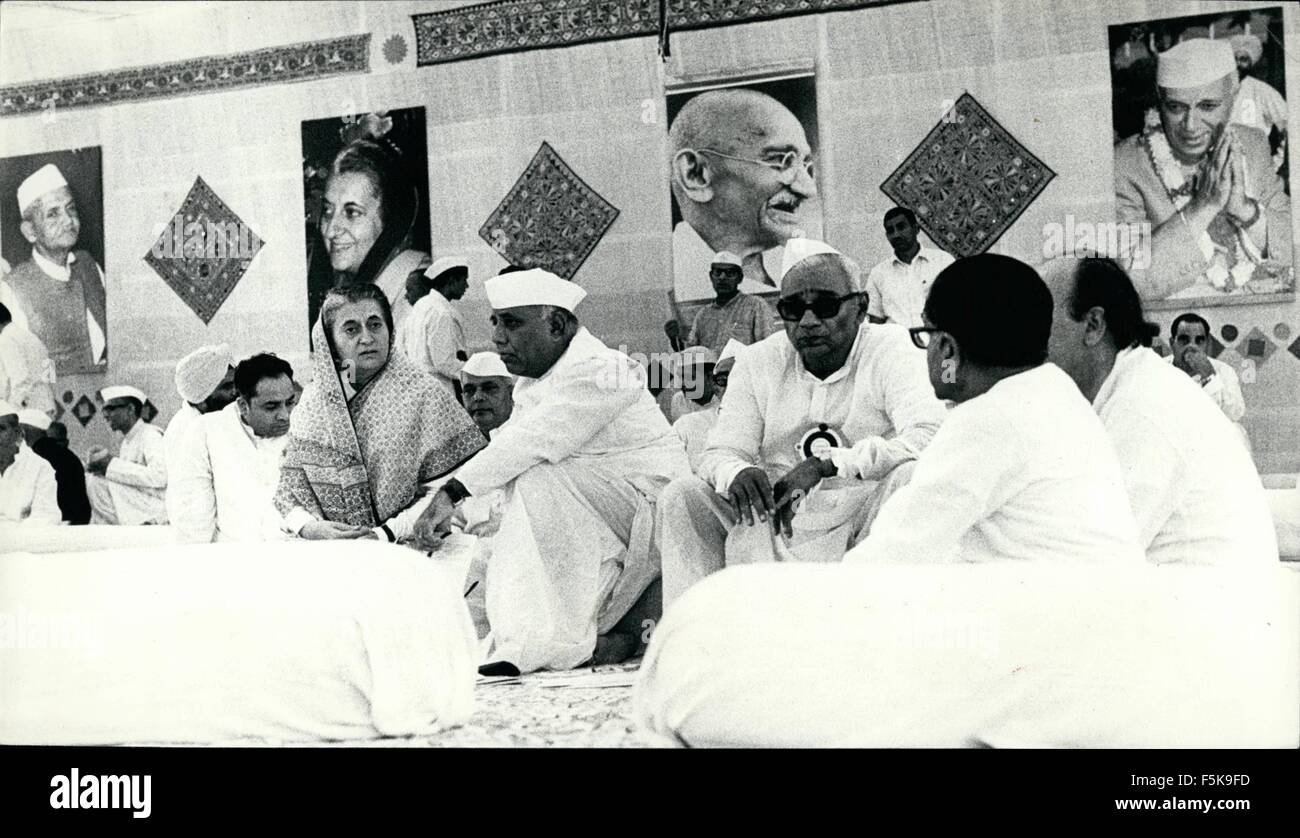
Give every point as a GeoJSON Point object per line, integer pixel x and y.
{"type": "Point", "coordinates": [362, 460]}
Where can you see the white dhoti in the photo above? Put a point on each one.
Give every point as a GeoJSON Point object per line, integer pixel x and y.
{"type": "Point", "coordinates": [117, 503]}
{"type": "Point", "coordinates": [1001, 653]}
{"type": "Point", "coordinates": [697, 537]}
{"type": "Point", "coordinates": [574, 552]}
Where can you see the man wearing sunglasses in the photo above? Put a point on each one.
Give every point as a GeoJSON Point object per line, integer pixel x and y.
{"type": "Point", "coordinates": [1021, 468]}
{"type": "Point", "coordinates": [742, 175]}
{"type": "Point", "coordinates": [831, 404]}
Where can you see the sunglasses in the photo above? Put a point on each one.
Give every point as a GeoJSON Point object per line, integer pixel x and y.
{"type": "Point", "coordinates": [823, 307]}
{"type": "Point", "coordinates": [921, 336]}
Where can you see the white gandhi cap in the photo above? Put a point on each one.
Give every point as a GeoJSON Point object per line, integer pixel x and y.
{"type": "Point", "coordinates": [485, 365]}
{"type": "Point", "coordinates": [533, 287]}
{"type": "Point", "coordinates": [123, 391]}
{"type": "Point", "coordinates": [723, 257]}
{"type": "Point", "coordinates": [35, 418]}
{"type": "Point", "coordinates": [1194, 63]}
{"type": "Point", "coordinates": [445, 264]}
{"type": "Point", "coordinates": [45, 179]}
{"type": "Point", "coordinates": [7, 409]}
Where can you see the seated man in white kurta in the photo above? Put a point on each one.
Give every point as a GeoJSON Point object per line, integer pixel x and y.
{"type": "Point", "coordinates": [694, 428]}
{"type": "Point", "coordinates": [1189, 337]}
{"type": "Point", "coordinates": [128, 488]}
{"type": "Point", "coordinates": [832, 404]}
{"type": "Point", "coordinates": [221, 481]}
{"type": "Point", "coordinates": [205, 381]}
{"type": "Point", "coordinates": [581, 460]}
{"type": "Point", "coordinates": [1021, 468]}
{"type": "Point", "coordinates": [1194, 490]}
{"type": "Point", "coordinates": [28, 492]}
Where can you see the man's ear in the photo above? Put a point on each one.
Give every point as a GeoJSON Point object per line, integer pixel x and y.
{"type": "Point", "coordinates": [693, 176]}
{"type": "Point", "coordinates": [29, 231]}
{"type": "Point", "coordinates": [243, 408]}
{"type": "Point", "coordinates": [1094, 326]}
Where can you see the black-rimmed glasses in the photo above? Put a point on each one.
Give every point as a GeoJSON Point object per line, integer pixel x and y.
{"type": "Point", "coordinates": [921, 336]}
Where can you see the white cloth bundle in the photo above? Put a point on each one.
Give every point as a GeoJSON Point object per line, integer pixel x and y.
{"type": "Point", "coordinates": [1005, 654]}
{"type": "Point", "coordinates": [292, 641]}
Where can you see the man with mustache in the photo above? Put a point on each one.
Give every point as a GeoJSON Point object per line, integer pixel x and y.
{"type": "Point", "coordinates": [57, 294]}
{"type": "Point", "coordinates": [897, 287]}
{"type": "Point", "coordinates": [742, 174]}
{"type": "Point", "coordinates": [579, 465]}
{"type": "Point", "coordinates": [1220, 218]}
{"type": "Point", "coordinates": [831, 404]}
{"type": "Point", "coordinates": [128, 488]}
{"type": "Point", "coordinates": [223, 478]}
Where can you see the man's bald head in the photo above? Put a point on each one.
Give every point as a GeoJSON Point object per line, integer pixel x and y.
{"type": "Point", "coordinates": [727, 148]}
{"type": "Point", "coordinates": [728, 120]}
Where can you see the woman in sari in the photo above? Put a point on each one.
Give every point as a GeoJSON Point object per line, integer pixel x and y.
{"type": "Point", "coordinates": [367, 215]}
{"type": "Point", "coordinates": [371, 428]}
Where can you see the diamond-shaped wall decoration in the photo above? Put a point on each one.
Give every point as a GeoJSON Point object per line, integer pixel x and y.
{"type": "Point", "coordinates": [968, 180]}
{"type": "Point", "coordinates": [1256, 345]}
{"type": "Point", "coordinates": [204, 251]}
{"type": "Point", "coordinates": [1216, 348]}
{"type": "Point", "coordinates": [1294, 348]}
{"type": "Point", "coordinates": [84, 410]}
{"type": "Point", "coordinates": [550, 218]}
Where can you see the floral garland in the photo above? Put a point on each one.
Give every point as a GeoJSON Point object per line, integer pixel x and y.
{"type": "Point", "coordinates": [1231, 266]}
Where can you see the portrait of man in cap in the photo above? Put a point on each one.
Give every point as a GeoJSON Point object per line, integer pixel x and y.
{"type": "Point", "coordinates": [1197, 178]}
{"type": "Point", "coordinates": [743, 180]}
{"type": "Point", "coordinates": [56, 288]}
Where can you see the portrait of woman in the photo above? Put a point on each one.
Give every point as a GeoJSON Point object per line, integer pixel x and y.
{"type": "Point", "coordinates": [367, 218]}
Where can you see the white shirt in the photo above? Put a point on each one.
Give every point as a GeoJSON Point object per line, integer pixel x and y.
{"type": "Point", "coordinates": [897, 290]}
{"type": "Point", "coordinates": [431, 335]}
{"type": "Point", "coordinates": [185, 417]}
{"type": "Point", "coordinates": [222, 480]}
{"type": "Point", "coordinates": [61, 273]}
{"type": "Point", "coordinates": [28, 491]}
{"type": "Point", "coordinates": [141, 461]}
{"type": "Point", "coordinates": [693, 430]}
{"type": "Point", "coordinates": [1224, 387]}
{"type": "Point", "coordinates": [26, 371]}
{"type": "Point", "coordinates": [591, 404]}
{"type": "Point", "coordinates": [880, 402]}
{"type": "Point", "coordinates": [1194, 491]}
{"type": "Point", "coordinates": [1023, 472]}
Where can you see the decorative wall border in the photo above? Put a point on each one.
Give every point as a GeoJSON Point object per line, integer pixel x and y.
{"type": "Point", "coordinates": [513, 25]}
{"type": "Point", "coordinates": [273, 65]}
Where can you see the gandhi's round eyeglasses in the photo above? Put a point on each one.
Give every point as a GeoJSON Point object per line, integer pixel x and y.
{"type": "Point", "coordinates": [786, 166]}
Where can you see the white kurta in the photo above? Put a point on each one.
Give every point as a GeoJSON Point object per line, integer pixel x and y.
{"type": "Point", "coordinates": [693, 430]}
{"type": "Point", "coordinates": [26, 371]}
{"type": "Point", "coordinates": [880, 402]}
{"type": "Point", "coordinates": [1194, 491]}
{"type": "Point", "coordinates": [896, 290]}
{"type": "Point", "coordinates": [132, 489]}
{"type": "Point", "coordinates": [221, 481]}
{"type": "Point", "coordinates": [184, 418]}
{"type": "Point", "coordinates": [1225, 388]}
{"type": "Point", "coordinates": [580, 461]}
{"type": "Point", "coordinates": [28, 492]}
{"type": "Point", "coordinates": [430, 337]}
{"type": "Point", "coordinates": [1023, 472]}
